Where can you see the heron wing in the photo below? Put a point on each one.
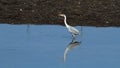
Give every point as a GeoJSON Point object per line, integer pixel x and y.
{"type": "Point", "coordinates": [73, 30]}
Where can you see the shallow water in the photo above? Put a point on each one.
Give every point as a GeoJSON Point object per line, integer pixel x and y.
{"type": "Point", "coordinates": [44, 46]}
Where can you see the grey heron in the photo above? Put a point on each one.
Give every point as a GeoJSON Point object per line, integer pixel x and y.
{"type": "Point", "coordinates": [71, 29]}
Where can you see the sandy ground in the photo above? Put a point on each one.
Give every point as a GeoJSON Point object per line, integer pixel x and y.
{"type": "Point", "coordinates": [79, 12]}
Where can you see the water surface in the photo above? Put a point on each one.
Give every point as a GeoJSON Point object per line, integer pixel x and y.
{"type": "Point", "coordinates": [43, 46]}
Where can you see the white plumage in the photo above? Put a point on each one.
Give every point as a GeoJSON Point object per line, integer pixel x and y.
{"type": "Point", "coordinates": [71, 29]}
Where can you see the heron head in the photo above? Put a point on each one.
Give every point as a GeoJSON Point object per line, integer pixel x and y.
{"type": "Point", "coordinates": [63, 15]}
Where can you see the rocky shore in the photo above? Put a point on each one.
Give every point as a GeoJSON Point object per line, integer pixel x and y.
{"type": "Point", "coordinates": [78, 12]}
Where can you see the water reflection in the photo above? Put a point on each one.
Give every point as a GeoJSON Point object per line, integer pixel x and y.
{"type": "Point", "coordinates": [70, 46]}
{"type": "Point", "coordinates": [28, 28]}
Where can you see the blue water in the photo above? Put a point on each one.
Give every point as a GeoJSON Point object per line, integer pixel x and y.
{"type": "Point", "coordinates": [43, 46]}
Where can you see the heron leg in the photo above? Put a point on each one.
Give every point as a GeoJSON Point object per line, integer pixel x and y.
{"type": "Point", "coordinates": [73, 36]}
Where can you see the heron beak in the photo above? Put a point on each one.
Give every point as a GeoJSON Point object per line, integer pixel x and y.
{"type": "Point", "coordinates": [59, 14]}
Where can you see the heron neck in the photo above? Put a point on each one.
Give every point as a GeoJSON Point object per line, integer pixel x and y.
{"type": "Point", "coordinates": [65, 21]}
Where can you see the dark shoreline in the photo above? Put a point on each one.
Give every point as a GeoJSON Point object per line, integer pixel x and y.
{"type": "Point", "coordinates": [105, 13]}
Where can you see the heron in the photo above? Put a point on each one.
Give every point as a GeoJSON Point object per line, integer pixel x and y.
{"type": "Point", "coordinates": [71, 29]}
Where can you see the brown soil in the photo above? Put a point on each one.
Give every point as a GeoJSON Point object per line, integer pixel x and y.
{"type": "Point", "coordinates": [79, 12]}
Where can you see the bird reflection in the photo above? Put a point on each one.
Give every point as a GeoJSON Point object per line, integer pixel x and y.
{"type": "Point", "coordinates": [70, 46]}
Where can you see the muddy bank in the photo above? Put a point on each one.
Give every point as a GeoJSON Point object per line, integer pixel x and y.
{"type": "Point", "coordinates": [79, 12]}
